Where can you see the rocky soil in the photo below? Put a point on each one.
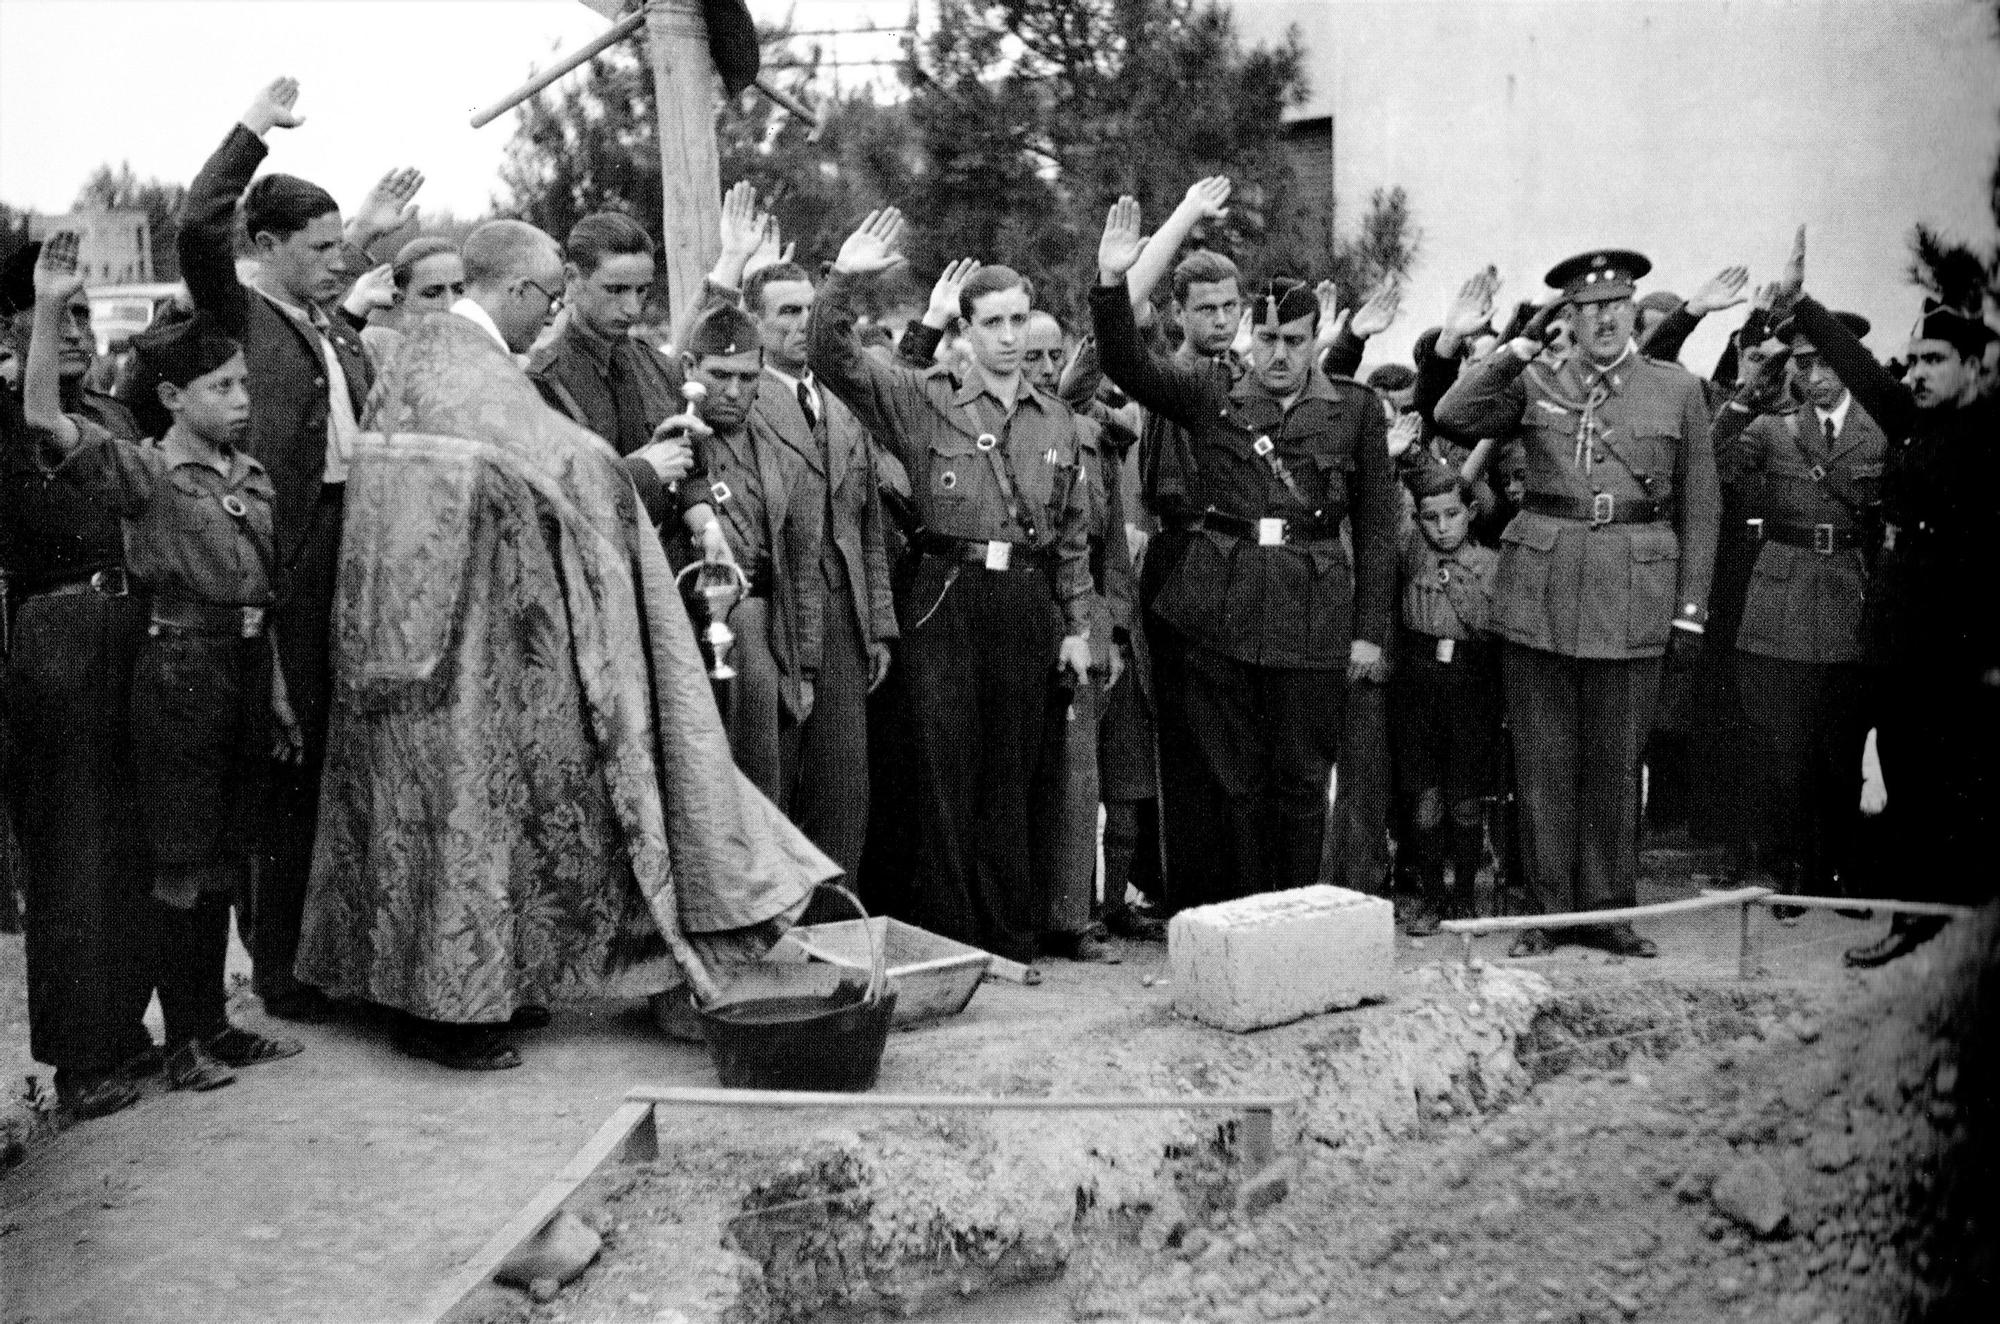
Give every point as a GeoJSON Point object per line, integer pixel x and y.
{"type": "Point", "coordinates": [1496, 1146]}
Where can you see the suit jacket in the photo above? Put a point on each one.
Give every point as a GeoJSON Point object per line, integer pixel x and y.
{"type": "Point", "coordinates": [846, 522]}
{"type": "Point", "coordinates": [1567, 586]}
{"type": "Point", "coordinates": [765, 494]}
{"type": "Point", "coordinates": [1804, 605]}
{"type": "Point", "coordinates": [288, 378]}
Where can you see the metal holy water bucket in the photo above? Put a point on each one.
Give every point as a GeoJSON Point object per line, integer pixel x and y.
{"type": "Point", "coordinates": [831, 1043]}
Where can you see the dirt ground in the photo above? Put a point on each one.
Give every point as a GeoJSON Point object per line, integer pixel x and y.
{"type": "Point", "coordinates": [343, 1185]}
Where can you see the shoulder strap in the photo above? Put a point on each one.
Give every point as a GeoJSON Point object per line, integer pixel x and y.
{"type": "Point", "coordinates": [1826, 470]}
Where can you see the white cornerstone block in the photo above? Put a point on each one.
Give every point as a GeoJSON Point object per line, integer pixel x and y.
{"type": "Point", "coordinates": [1265, 960]}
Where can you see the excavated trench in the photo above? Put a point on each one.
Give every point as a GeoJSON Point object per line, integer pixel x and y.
{"type": "Point", "coordinates": [1094, 1215]}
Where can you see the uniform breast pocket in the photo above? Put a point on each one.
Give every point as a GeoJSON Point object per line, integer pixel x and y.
{"type": "Point", "coordinates": [1521, 585]}
{"type": "Point", "coordinates": [1655, 578]}
{"type": "Point", "coordinates": [954, 473]}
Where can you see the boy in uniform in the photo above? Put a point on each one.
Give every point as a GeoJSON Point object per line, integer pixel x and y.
{"type": "Point", "coordinates": [1445, 697]}
{"type": "Point", "coordinates": [205, 695]}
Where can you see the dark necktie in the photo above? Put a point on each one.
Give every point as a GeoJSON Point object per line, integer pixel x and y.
{"type": "Point", "coordinates": [806, 407]}
{"type": "Point", "coordinates": [1832, 432]}
{"type": "Point", "coordinates": [630, 409]}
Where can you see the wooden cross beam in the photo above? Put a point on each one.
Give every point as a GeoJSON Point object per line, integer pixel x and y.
{"type": "Point", "coordinates": [684, 92]}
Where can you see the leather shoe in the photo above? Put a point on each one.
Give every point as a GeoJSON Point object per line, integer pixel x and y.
{"type": "Point", "coordinates": [1906, 934]}
{"type": "Point", "coordinates": [307, 1006]}
{"type": "Point", "coordinates": [1084, 947]}
{"type": "Point", "coordinates": [1532, 942]}
{"type": "Point", "coordinates": [1624, 940]}
{"type": "Point", "coordinates": [1137, 925]}
{"type": "Point", "coordinates": [1787, 915]}
{"type": "Point", "coordinates": [1421, 918]}
{"type": "Point", "coordinates": [238, 1047]}
{"type": "Point", "coordinates": [189, 1067]}
{"type": "Point", "coordinates": [96, 1098]}
{"type": "Point", "coordinates": [529, 1016]}
{"type": "Point", "coordinates": [460, 1047]}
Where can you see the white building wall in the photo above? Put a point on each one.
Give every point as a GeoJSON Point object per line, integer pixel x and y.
{"type": "Point", "coordinates": [1698, 131]}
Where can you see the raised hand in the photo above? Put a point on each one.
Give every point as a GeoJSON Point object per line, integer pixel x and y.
{"type": "Point", "coordinates": [1404, 433]}
{"type": "Point", "coordinates": [389, 206]}
{"type": "Point", "coordinates": [1122, 242]}
{"type": "Point", "coordinates": [57, 277]}
{"type": "Point", "coordinates": [375, 289]}
{"type": "Point", "coordinates": [1792, 281]}
{"type": "Point", "coordinates": [1208, 199]}
{"type": "Point", "coordinates": [743, 226]}
{"type": "Point", "coordinates": [1722, 290]}
{"type": "Point", "coordinates": [1767, 295]}
{"type": "Point", "coordinates": [944, 294]}
{"type": "Point", "coordinates": [773, 249]}
{"type": "Point", "coordinates": [873, 247]}
{"type": "Point", "coordinates": [1374, 317]}
{"type": "Point", "coordinates": [1332, 317]}
{"type": "Point", "coordinates": [1472, 310]}
{"type": "Point", "coordinates": [273, 108]}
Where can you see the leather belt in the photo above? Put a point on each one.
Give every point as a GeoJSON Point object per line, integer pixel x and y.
{"type": "Point", "coordinates": [1604, 508]}
{"type": "Point", "coordinates": [1268, 532]}
{"type": "Point", "coordinates": [974, 551]}
{"type": "Point", "coordinates": [177, 611]}
{"type": "Point", "coordinates": [109, 582]}
{"type": "Point", "coordinates": [1826, 539]}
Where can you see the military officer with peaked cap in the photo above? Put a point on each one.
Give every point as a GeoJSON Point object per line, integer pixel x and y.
{"type": "Point", "coordinates": [1609, 558]}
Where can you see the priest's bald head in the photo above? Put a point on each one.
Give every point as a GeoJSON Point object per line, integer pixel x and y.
{"type": "Point", "coordinates": [514, 272]}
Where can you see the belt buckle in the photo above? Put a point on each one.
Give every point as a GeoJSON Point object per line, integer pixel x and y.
{"type": "Point", "coordinates": [102, 580]}
{"type": "Point", "coordinates": [253, 622]}
{"type": "Point", "coordinates": [1602, 507]}
{"type": "Point", "coordinates": [999, 554]}
{"type": "Point", "coordinates": [1270, 532]}
{"type": "Point", "coordinates": [1823, 539]}
{"type": "Point", "coordinates": [1756, 526]}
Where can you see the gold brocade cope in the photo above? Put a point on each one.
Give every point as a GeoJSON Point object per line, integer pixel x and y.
{"type": "Point", "coordinates": [528, 793]}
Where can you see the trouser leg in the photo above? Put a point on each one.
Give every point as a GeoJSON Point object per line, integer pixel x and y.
{"type": "Point", "coordinates": [1542, 701]}
{"type": "Point", "coordinates": [940, 673]}
{"type": "Point", "coordinates": [1781, 700]}
{"type": "Point", "coordinates": [1018, 636]}
{"type": "Point", "coordinates": [830, 791]}
{"type": "Point", "coordinates": [1613, 717]}
{"type": "Point", "coordinates": [193, 945]}
{"type": "Point", "coordinates": [1303, 726]}
{"type": "Point", "coordinates": [1194, 837]}
{"type": "Point", "coordinates": [1121, 845]}
{"type": "Point", "coordinates": [1357, 841]}
{"type": "Point", "coordinates": [1226, 703]}
{"type": "Point", "coordinates": [304, 636]}
{"type": "Point", "coordinates": [1064, 833]}
{"type": "Point", "coordinates": [752, 709]}
{"type": "Point", "coordinates": [1468, 848]}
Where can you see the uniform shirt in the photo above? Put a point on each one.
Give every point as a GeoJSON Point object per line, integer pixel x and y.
{"type": "Point", "coordinates": [755, 480]}
{"type": "Point", "coordinates": [51, 531]}
{"type": "Point", "coordinates": [1636, 430]}
{"type": "Point", "coordinates": [1447, 595]}
{"type": "Point", "coordinates": [935, 422]}
{"type": "Point", "coordinates": [1295, 605]}
{"type": "Point", "coordinates": [181, 526]}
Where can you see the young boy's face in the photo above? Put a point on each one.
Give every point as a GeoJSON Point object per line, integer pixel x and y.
{"type": "Point", "coordinates": [215, 406]}
{"type": "Point", "coordinates": [1444, 521]}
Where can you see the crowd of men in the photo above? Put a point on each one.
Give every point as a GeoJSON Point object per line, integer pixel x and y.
{"type": "Point", "coordinates": [997, 580]}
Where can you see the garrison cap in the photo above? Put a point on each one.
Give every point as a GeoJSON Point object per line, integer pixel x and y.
{"type": "Point", "coordinates": [182, 346]}
{"type": "Point", "coordinates": [1282, 301]}
{"type": "Point", "coordinates": [1788, 330]}
{"type": "Point", "coordinates": [1965, 332]}
{"type": "Point", "coordinates": [1598, 276]}
{"type": "Point", "coordinates": [724, 329]}
{"type": "Point", "coordinates": [17, 280]}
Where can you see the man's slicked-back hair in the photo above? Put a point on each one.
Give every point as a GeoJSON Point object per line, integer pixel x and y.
{"type": "Point", "coordinates": [992, 280]}
{"type": "Point", "coordinates": [283, 205]}
{"type": "Point", "coordinates": [605, 234]}
{"type": "Point", "coordinates": [1204, 266]}
{"type": "Point", "coordinates": [778, 273]}
{"type": "Point", "coordinates": [423, 246]}
{"type": "Point", "coordinates": [500, 251]}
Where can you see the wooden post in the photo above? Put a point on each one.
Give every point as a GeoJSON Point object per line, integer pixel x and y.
{"type": "Point", "coordinates": [684, 84]}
